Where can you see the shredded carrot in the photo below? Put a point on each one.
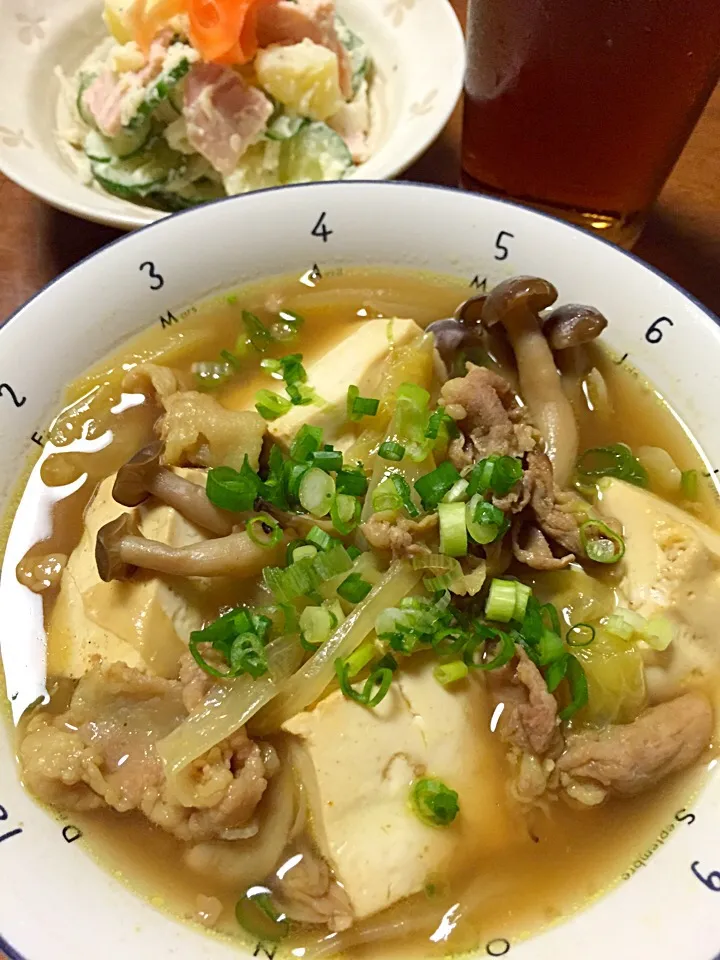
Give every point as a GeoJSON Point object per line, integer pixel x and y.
{"type": "Point", "coordinates": [148, 17]}
{"type": "Point", "coordinates": [225, 30]}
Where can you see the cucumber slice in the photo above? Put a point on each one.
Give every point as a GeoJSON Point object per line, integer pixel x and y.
{"type": "Point", "coordinates": [83, 83]}
{"type": "Point", "coordinates": [201, 191]}
{"type": "Point", "coordinates": [315, 153]}
{"type": "Point", "coordinates": [176, 97]}
{"type": "Point", "coordinates": [159, 91]}
{"type": "Point", "coordinates": [360, 61]}
{"type": "Point", "coordinates": [285, 126]}
{"type": "Point", "coordinates": [126, 144]}
{"type": "Point", "coordinates": [135, 177]}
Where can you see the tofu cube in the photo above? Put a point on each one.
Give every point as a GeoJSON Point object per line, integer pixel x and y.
{"type": "Point", "coordinates": [358, 766]}
{"type": "Point", "coordinates": [355, 360]}
{"type": "Point", "coordinates": [144, 622]}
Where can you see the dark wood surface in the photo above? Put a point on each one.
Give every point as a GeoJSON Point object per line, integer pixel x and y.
{"type": "Point", "coordinates": [682, 236]}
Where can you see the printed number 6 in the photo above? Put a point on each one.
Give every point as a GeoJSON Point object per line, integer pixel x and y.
{"type": "Point", "coordinates": [711, 881]}
{"type": "Point", "coordinates": [654, 334]}
{"type": "Point", "coordinates": [503, 252]}
{"type": "Point", "coordinates": [160, 280]}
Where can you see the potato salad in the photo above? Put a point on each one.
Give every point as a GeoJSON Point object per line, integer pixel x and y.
{"type": "Point", "coordinates": [188, 101]}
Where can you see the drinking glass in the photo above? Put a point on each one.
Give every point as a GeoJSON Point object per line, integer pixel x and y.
{"type": "Point", "coordinates": [582, 107]}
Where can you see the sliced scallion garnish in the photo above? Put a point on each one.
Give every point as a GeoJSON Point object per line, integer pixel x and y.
{"type": "Point", "coordinates": [269, 533]}
{"type": "Point", "coordinates": [453, 532]}
{"type": "Point", "coordinates": [600, 542]}
{"type": "Point", "coordinates": [433, 802]}
{"type": "Point", "coordinates": [433, 486]}
{"type": "Point", "coordinates": [316, 492]}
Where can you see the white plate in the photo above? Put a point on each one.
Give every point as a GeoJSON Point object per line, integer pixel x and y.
{"type": "Point", "coordinates": [417, 46]}
{"type": "Point", "coordinates": [55, 902]}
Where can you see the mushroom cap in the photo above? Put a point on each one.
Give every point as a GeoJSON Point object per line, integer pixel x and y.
{"type": "Point", "coordinates": [108, 544]}
{"type": "Point", "coordinates": [460, 331]}
{"type": "Point", "coordinates": [130, 487]}
{"type": "Point", "coordinates": [573, 324]}
{"type": "Point", "coordinates": [532, 294]}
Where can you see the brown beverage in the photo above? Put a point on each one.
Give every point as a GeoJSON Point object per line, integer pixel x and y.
{"type": "Point", "coordinates": [583, 106]}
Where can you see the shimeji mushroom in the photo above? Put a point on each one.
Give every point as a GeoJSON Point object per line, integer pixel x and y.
{"type": "Point", "coordinates": [516, 304]}
{"type": "Point", "coordinates": [143, 477]}
{"type": "Point", "coordinates": [120, 550]}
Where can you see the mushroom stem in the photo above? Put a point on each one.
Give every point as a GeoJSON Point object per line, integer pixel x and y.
{"type": "Point", "coordinates": [191, 501]}
{"type": "Point", "coordinates": [119, 552]}
{"type": "Point", "coordinates": [516, 304]}
{"type": "Point", "coordinates": [142, 477]}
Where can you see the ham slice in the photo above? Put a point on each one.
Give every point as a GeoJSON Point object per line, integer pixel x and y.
{"type": "Point", "coordinates": [104, 97]}
{"type": "Point", "coordinates": [289, 22]}
{"type": "Point", "coordinates": [224, 116]}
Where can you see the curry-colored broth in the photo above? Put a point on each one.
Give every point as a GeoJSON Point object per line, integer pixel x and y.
{"type": "Point", "coordinates": [563, 857]}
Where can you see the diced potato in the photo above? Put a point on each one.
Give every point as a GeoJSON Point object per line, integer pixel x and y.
{"type": "Point", "coordinates": [302, 76]}
{"type": "Point", "coordinates": [115, 15]}
{"type": "Point", "coordinates": [256, 170]}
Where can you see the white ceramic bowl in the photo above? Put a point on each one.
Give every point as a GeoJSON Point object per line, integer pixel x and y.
{"type": "Point", "coordinates": [417, 46]}
{"type": "Point", "coordinates": [55, 902]}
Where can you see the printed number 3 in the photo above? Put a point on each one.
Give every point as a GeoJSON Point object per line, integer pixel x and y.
{"type": "Point", "coordinates": [711, 881]}
{"type": "Point", "coordinates": [320, 230]}
{"type": "Point", "coordinates": [159, 280]}
{"type": "Point", "coordinates": [502, 251]}
{"type": "Point", "coordinates": [654, 333]}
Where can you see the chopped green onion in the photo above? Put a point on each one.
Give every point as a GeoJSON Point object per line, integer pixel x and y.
{"type": "Point", "coordinates": [353, 552]}
{"type": "Point", "coordinates": [453, 532]}
{"type": "Point", "coordinates": [580, 635]}
{"type": "Point", "coordinates": [446, 673]}
{"type": "Point", "coordinates": [247, 655]}
{"type": "Point", "coordinates": [303, 577]}
{"type": "Point", "coordinates": [402, 488]}
{"type": "Point", "coordinates": [306, 550]}
{"type": "Point", "coordinates": [320, 538]}
{"type": "Point", "coordinates": [608, 547]}
{"type": "Point", "coordinates": [578, 688]}
{"type": "Point", "coordinates": [433, 486]}
{"type": "Point", "coordinates": [291, 317]}
{"type": "Point", "coordinates": [616, 460]}
{"type": "Point", "coordinates": [658, 633]}
{"type": "Point", "coordinates": [234, 490]}
{"type": "Point", "coordinates": [273, 488]}
{"type": "Point", "coordinates": [211, 374]}
{"type": "Point", "coordinates": [307, 440]}
{"type": "Point", "coordinates": [505, 653]}
{"type": "Point", "coordinates": [332, 562]}
{"type": "Point", "coordinates": [689, 484]}
{"type": "Point", "coordinates": [294, 473]}
{"type": "Point", "coordinates": [345, 513]}
{"type": "Point", "coordinates": [327, 459]}
{"type": "Point", "coordinates": [316, 493]}
{"type": "Point", "coordinates": [495, 474]}
{"type": "Point", "coordinates": [433, 803]}
{"type": "Point", "coordinates": [271, 405]}
{"type": "Point", "coordinates": [390, 450]}
{"type": "Point", "coordinates": [257, 333]}
{"type": "Point", "coordinates": [411, 420]}
{"type": "Point", "coordinates": [269, 527]}
{"type": "Point", "coordinates": [359, 407]}
{"type": "Point", "coordinates": [291, 548]}
{"type": "Point", "coordinates": [485, 522]}
{"type": "Point", "coordinates": [457, 492]}
{"type": "Point", "coordinates": [380, 678]}
{"type": "Point", "coordinates": [548, 648]}
{"type": "Point", "coordinates": [501, 601]}
{"type": "Point", "coordinates": [354, 588]}
{"type": "Point", "coordinates": [301, 394]}
{"type": "Point", "coordinates": [359, 659]}
{"type": "Point", "coordinates": [436, 421]}
{"type": "Point", "coordinates": [555, 672]}
{"type": "Point", "coordinates": [256, 914]}
{"type": "Point", "coordinates": [352, 482]}
{"type": "Point", "coordinates": [386, 497]}
{"type": "Point", "coordinates": [316, 626]}
{"type": "Point", "coordinates": [522, 595]}
{"type": "Point", "coordinates": [618, 626]}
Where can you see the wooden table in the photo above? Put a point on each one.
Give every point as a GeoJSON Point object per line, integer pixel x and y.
{"type": "Point", "coordinates": [682, 236]}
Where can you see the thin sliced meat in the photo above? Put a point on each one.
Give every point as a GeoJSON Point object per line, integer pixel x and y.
{"type": "Point", "coordinates": [224, 115]}
{"type": "Point", "coordinates": [530, 546]}
{"type": "Point", "coordinates": [552, 507]}
{"type": "Point", "coordinates": [399, 536]}
{"type": "Point", "coordinates": [633, 757]}
{"type": "Point", "coordinates": [529, 718]}
{"type": "Point", "coordinates": [290, 22]}
{"type": "Point", "coordinates": [488, 414]}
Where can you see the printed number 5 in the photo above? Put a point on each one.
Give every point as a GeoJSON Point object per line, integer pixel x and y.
{"type": "Point", "coordinates": [503, 252]}
{"type": "Point", "coordinates": [320, 230]}
{"type": "Point", "coordinates": [711, 881]}
{"type": "Point", "coordinates": [654, 334]}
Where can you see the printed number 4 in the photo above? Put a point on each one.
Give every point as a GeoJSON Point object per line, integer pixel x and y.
{"type": "Point", "coordinates": [711, 881]}
{"type": "Point", "coordinates": [320, 230]}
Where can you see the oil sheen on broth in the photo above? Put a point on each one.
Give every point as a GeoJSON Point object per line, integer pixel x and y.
{"type": "Point", "coordinates": [557, 857]}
